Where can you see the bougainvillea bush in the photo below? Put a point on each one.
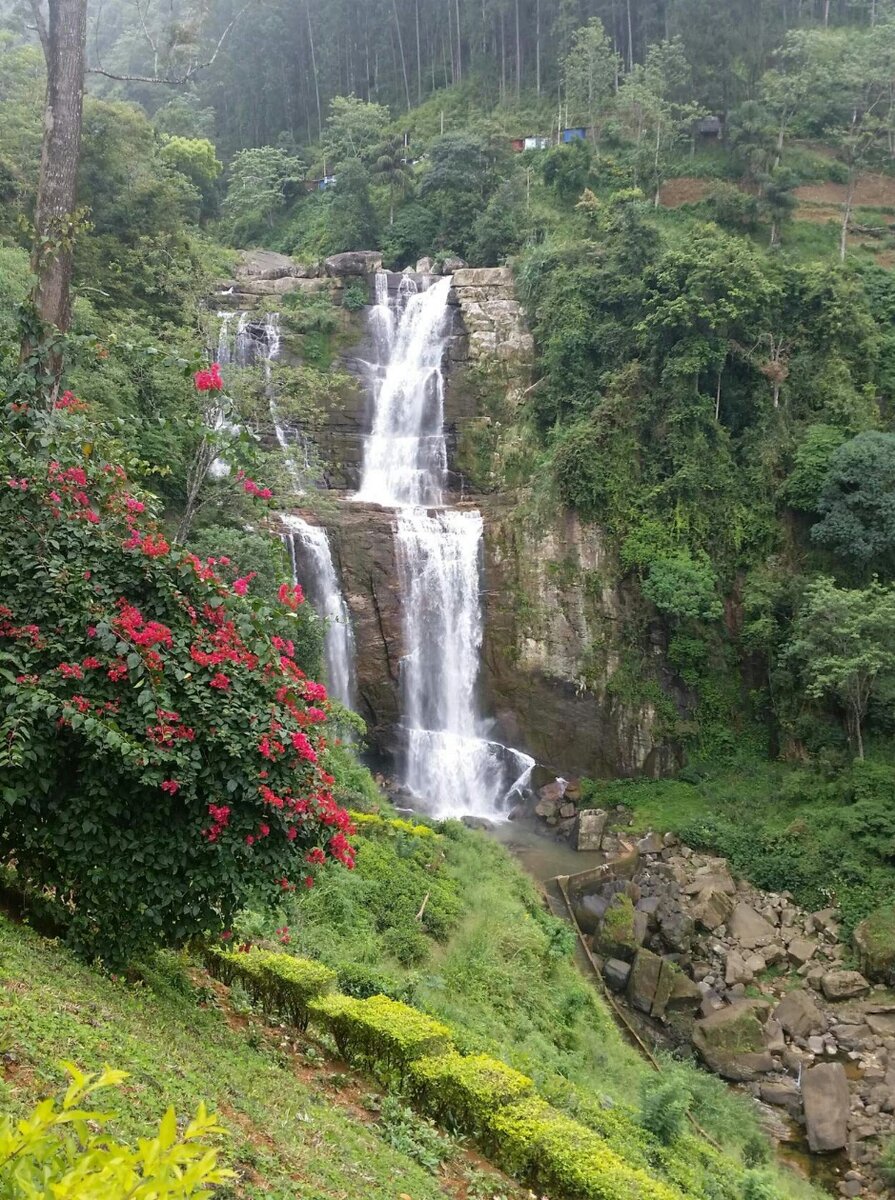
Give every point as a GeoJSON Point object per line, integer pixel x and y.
{"type": "Point", "coordinates": [162, 754]}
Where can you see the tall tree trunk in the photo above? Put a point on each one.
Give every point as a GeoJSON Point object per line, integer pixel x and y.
{"type": "Point", "coordinates": [401, 50]}
{"type": "Point", "coordinates": [459, 44]}
{"type": "Point", "coordinates": [314, 69]}
{"type": "Point", "coordinates": [538, 47]}
{"type": "Point", "coordinates": [419, 58]}
{"type": "Point", "coordinates": [630, 40]}
{"type": "Point", "coordinates": [846, 214]}
{"type": "Point", "coordinates": [63, 40]}
{"type": "Point", "coordinates": [518, 54]}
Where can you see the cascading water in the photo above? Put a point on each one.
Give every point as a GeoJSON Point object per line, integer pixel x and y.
{"type": "Point", "coordinates": [312, 564]}
{"type": "Point", "coordinates": [312, 561]}
{"type": "Point", "coordinates": [449, 764]}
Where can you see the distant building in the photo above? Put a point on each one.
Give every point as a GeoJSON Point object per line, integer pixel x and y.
{"type": "Point", "coordinates": [536, 143]}
{"type": "Point", "coordinates": [578, 133]}
{"type": "Point", "coordinates": [518, 145]}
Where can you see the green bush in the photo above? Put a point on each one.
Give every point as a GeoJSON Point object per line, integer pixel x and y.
{"type": "Point", "coordinates": [462, 1092]}
{"type": "Point", "coordinates": [362, 981]}
{"type": "Point", "coordinates": [142, 692]}
{"type": "Point", "coordinates": [557, 1155]}
{"type": "Point", "coordinates": [379, 1032]}
{"type": "Point", "coordinates": [663, 1109]}
{"type": "Point", "coordinates": [281, 983]}
{"type": "Point", "coordinates": [355, 297]}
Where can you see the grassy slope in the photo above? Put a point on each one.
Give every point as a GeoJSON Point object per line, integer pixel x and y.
{"type": "Point", "coordinates": [502, 975]}
{"type": "Point", "coordinates": [289, 1138]}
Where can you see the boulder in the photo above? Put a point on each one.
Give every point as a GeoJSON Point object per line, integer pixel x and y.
{"type": "Point", "coordinates": [452, 264]}
{"type": "Point", "coordinates": [882, 1024]}
{"type": "Point", "coordinates": [713, 908]}
{"type": "Point", "coordinates": [874, 941]}
{"type": "Point", "coordinates": [590, 910]}
{"type": "Point", "coordinates": [567, 810]}
{"type": "Point", "coordinates": [644, 980]}
{"type": "Point", "coordinates": [425, 266]}
{"type": "Point", "coordinates": [685, 996]}
{"type": "Point", "coordinates": [652, 843]}
{"type": "Point", "coordinates": [843, 985]}
{"type": "Point", "coordinates": [783, 1093]}
{"type": "Point", "coordinates": [749, 928]}
{"type": "Point", "coordinates": [616, 973]}
{"type": "Point", "coordinates": [677, 930]}
{"type": "Point", "coordinates": [591, 823]}
{"type": "Point", "coordinates": [799, 1015]}
{"type": "Point", "coordinates": [620, 934]}
{"type": "Point", "coordinates": [801, 950]}
{"type": "Point", "coordinates": [735, 969]}
{"type": "Point", "coordinates": [718, 881]}
{"type": "Point", "coordinates": [731, 1042]}
{"type": "Point", "coordinates": [354, 262]}
{"type": "Point", "coordinates": [826, 1102]}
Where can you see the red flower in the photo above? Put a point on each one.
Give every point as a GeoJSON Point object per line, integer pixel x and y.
{"type": "Point", "coordinates": [171, 786]}
{"type": "Point", "coordinates": [241, 586]}
{"type": "Point", "coordinates": [210, 380]}
{"type": "Point", "coordinates": [309, 881]}
{"type": "Point", "coordinates": [220, 681]}
{"type": "Point", "coordinates": [316, 856]}
{"type": "Point", "coordinates": [226, 935]}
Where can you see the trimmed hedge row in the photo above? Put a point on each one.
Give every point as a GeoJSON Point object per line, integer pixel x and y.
{"type": "Point", "coordinates": [279, 982]}
{"type": "Point", "coordinates": [472, 1094]}
{"type": "Point", "coordinates": [380, 1032]}
{"type": "Point", "coordinates": [462, 1091]}
{"type": "Point", "coordinates": [561, 1157]}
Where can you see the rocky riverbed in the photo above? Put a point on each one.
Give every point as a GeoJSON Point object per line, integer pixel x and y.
{"type": "Point", "coordinates": [765, 992]}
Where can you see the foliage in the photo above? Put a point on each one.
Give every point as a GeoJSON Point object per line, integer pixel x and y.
{"type": "Point", "coordinates": [195, 158]}
{"type": "Point", "coordinates": [857, 502]}
{"type": "Point", "coordinates": [461, 1092]}
{"type": "Point", "coordinates": [460, 177]}
{"type": "Point", "coordinates": [181, 1049]}
{"type": "Point", "coordinates": [664, 1108]}
{"type": "Point", "coordinates": [811, 464]}
{"type": "Point", "coordinates": [683, 586]}
{"type": "Point", "coordinates": [844, 644]}
{"type": "Point", "coordinates": [144, 697]}
{"type": "Point", "coordinates": [401, 1128]}
{"type": "Point", "coordinates": [354, 129]}
{"type": "Point", "coordinates": [280, 983]}
{"type": "Point", "coordinates": [351, 220]}
{"type": "Point", "coordinates": [64, 1147]}
{"type": "Point", "coordinates": [260, 180]}
{"type": "Point", "coordinates": [381, 1032]}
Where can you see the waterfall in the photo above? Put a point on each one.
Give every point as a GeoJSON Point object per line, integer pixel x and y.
{"type": "Point", "coordinates": [312, 563]}
{"type": "Point", "coordinates": [405, 457]}
{"type": "Point", "coordinates": [256, 343]}
{"type": "Point", "coordinates": [449, 762]}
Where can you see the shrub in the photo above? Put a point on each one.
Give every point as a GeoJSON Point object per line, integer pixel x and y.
{"type": "Point", "coordinates": [663, 1109]}
{"type": "Point", "coordinates": [462, 1092]}
{"type": "Point", "coordinates": [62, 1149]}
{"type": "Point", "coordinates": [281, 983]}
{"type": "Point", "coordinates": [355, 297]}
{"type": "Point", "coordinates": [556, 1154]}
{"type": "Point", "coordinates": [362, 981]}
{"type": "Point", "coordinates": [379, 1032]}
{"type": "Point", "coordinates": [161, 749]}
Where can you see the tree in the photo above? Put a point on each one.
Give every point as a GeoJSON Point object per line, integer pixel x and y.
{"type": "Point", "coordinates": [590, 73]}
{"type": "Point", "coordinates": [750, 132]}
{"type": "Point", "coordinates": [260, 181]}
{"type": "Point", "coordinates": [844, 644]}
{"type": "Point", "coordinates": [656, 94]}
{"type": "Point", "coordinates": [461, 175]}
{"type": "Point", "coordinates": [354, 129]}
{"type": "Point", "coordinates": [811, 465]}
{"type": "Point", "coordinates": [351, 220]}
{"type": "Point", "coordinates": [857, 502]}
{"type": "Point", "coordinates": [392, 168]}
{"type": "Point", "coordinates": [195, 158]}
{"type": "Point", "coordinates": [62, 36]}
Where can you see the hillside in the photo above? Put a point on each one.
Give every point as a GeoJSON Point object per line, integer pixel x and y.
{"type": "Point", "coordinates": [447, 597]}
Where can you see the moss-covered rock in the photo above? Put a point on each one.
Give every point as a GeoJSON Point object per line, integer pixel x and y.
{"type": "Point", "coordinates": [731, 1042]}
{"type": "Point", "coordinates": [618, 935]}
{"type": "Point", "coordinates": [874, 942]}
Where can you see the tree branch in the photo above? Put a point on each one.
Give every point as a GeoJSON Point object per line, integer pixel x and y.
{"type": "Point", "coordinates": [41, 25]}
{"type": "Point", "coordinates": [174, 80]}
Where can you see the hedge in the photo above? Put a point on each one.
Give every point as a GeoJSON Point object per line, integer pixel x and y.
{"type": "Point", "coordinates": [281, 983]}
{"type": "Point", "coordinates": [461, 1091]}
{"type": "Point", "coordinates": [473, 1094]}
{"type": "Point", "coordinates": [378, 1031]}
{"type": "Point", "coordinates": [559, 1156]}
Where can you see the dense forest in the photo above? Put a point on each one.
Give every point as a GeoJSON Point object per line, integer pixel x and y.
{"type": "Point", "coordinates": [696, 204]}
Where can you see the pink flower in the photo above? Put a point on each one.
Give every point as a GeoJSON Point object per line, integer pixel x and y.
{"type": "Point", "coordinates": [219, 680]}
{"type": "Point", "coordinates": [171, 786]}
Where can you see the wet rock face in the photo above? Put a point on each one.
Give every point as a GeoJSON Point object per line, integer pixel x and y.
{"type": "Point", "coordinates": [550, 598]}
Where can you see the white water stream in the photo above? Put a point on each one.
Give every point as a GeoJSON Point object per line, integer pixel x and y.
{"type": "Point", "coordinates": [308, 545]}
{"type": "Point", "coordinates": [450, 764]}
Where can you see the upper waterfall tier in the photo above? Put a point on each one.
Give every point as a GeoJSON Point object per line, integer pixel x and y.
{"type": "Point", "coordinates": [405, 458]}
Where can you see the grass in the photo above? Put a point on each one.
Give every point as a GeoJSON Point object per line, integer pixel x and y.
{"type": "Point", "coordinates": [487, 959]}
{"type": "Point", "coordinates": [829, 838]}
{"type": "Point", "coordinates": [289, 1139]}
